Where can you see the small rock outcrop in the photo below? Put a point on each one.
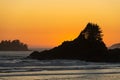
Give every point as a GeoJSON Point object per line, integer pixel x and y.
{"type": "Point", "coordinates": [114, 46]}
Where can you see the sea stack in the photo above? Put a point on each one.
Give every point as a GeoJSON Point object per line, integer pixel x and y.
{"type": "Point", "coordinates": [88, 46]}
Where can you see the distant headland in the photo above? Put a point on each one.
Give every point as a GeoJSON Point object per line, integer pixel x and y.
{"type": "Point", "coordinates": [15, 45]}
{"type": "Point", "coordinates": [88, 46]}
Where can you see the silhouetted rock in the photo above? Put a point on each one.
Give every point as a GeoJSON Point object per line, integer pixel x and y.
{"type": "Point", "coordinates": [88, 46]}
{"type": "Point", "coordinates": [117, 45]}
{"type": "Point", "coordinates": [15, 45]}
{"type": "Point", "coordinates": [114, 55]}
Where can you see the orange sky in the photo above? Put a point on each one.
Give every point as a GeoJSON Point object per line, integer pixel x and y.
{"type": "Point", "coordinates": [47, 23]}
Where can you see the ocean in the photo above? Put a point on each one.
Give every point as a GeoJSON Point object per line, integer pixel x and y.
{"type": "Point", "coordinates": [15, 66]}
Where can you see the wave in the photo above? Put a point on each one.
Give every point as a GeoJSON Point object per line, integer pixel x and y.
{"type": "Point", "coordinates": [16, 62]}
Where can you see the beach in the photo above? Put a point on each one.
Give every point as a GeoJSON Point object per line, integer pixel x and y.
{"type": "Point", "coordinates": [14, 66]}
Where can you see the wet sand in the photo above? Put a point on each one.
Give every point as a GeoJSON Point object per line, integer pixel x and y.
{"type": "Point", "coordinates": [103, 74]}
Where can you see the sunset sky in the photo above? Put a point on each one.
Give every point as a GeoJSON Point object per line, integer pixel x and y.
{"type": "Point", "coordinates": [47, 23]}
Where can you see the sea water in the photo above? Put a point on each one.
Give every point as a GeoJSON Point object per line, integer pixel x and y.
{"type": "Point", "coordinates": [15, 66]}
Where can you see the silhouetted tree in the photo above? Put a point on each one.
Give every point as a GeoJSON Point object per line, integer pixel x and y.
{"type": "Point", "coordinates": [16, 45]}
{"type": "Point", "coordinates": [92, 32]}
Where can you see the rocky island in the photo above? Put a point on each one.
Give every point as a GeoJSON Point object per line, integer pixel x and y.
{"type": "Point", "coordinates": [15, 45]}
{"type": "Point", "coordinates": [88, 46]}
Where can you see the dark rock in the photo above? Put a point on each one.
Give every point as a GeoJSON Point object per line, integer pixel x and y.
{"type": "Point", "coordinates": [117, 45]}
{"type": "Point", "coordinates": [88, 46]}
